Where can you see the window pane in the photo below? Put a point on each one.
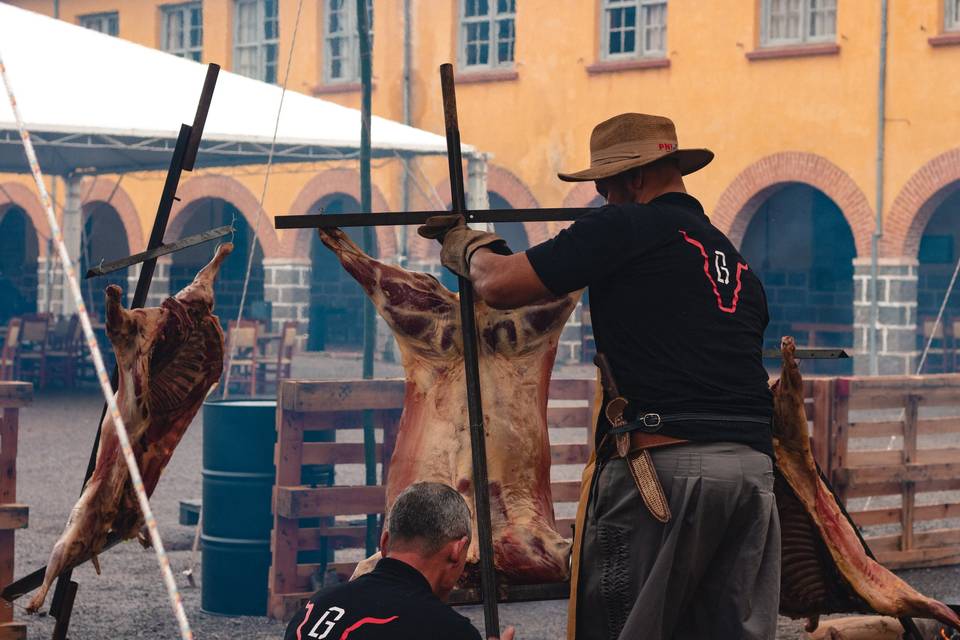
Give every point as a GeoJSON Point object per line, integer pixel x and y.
{"type": "Point", "coordinates": [506, 6]}
{"type": "Point", "coordinates": [655, 28]}
{"type": "Point", "coordinates": [953, 15]}
{"type": "Point", "coordinates": [505, 40]}
{"type": "Point", "coordinates": [823, 18]}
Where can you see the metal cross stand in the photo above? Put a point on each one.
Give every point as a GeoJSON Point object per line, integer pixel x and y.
{"type": "Point", "coordinates": [489, 591]}
{"type": "Point", "coordinates": [184, 159]}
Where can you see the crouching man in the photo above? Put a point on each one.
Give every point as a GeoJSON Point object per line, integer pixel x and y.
{"type": "Point", "coordinates": [424, 547]}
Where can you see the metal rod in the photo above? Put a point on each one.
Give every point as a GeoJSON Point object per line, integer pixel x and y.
{"type": "Point", "coordinates": [190, 241]}
{"type": "Point", "coordinates": [342, 220]}
{"type": "Point", "coordinates": [809, 354]}
{"type": "Point", "coordinates": [369, 240]}
{"type": "Point", "coordinates": [200, 117]}
{"type": "Point", "coordinates": [481, 492]}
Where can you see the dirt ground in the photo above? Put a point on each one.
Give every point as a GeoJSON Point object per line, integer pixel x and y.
{"type": "Point", "coordinates": [129, 601]}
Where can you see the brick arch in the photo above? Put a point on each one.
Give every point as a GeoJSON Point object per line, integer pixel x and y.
{"type": "Point", "coordinates": [917, 201]}
{"type": "Point", "coordinates": [756, 183]}
{"type": "Point", "coordinates": [16, 194]}
{"type": "Point", "coordinates": [109, 192]}
{"type": "Point", "coordinates": [232, 191]}
{"type": "Point", "coordinates": [323, 185]}
{"type": "Point", "coordinates": [508, 186]}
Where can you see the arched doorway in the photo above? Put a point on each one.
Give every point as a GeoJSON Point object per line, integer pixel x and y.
{"type": "Point", "coordinates": [802, 248]}
{"type": "Point", "coordinates": [18, 264]}
{"type": "Point", "coordinates": [208, 213]}
{"type": "Point", "coordinates": [939, 251]}
{"type": "Point", "coordinates": [103, 238]}
{"type": "Point", "coordinates": [336, 300]}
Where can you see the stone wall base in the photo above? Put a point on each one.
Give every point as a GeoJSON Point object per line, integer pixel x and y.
{"type": "Point", "coordinates": [897, 316]}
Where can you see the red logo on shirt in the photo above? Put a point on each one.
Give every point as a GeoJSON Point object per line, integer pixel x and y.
{"type": "Point", "coordinates": [359, 623]}
{"type": "Point", "coordinates": [723, 275]}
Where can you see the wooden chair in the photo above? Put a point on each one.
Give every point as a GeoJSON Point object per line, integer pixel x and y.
{"type": "Point", "coordinates": [32, 349]}
{"type": "Point", "coordinates": [242, 345]}
{"type": "Point", "coordinates": [8, 355]}
{"type": "Point", "coordinates": [62, 354]}
{"type": "Point", "coordinates": [280, 368]}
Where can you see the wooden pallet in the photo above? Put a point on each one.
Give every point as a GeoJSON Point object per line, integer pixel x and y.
{"type": "Point", "coordinates": [310, 406]}
{"type": "Point", "coordinates": [897, 464]}
{"type": "Point", "coordinates": [13, 516]}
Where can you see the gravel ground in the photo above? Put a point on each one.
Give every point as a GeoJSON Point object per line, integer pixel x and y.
{"type": "Point", "coordinates": [129, 601]}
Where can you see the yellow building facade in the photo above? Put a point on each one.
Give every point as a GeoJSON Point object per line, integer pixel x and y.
{"type": "Point", "coordinates": [786, 94]}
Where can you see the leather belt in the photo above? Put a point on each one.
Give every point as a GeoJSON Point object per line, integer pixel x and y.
{"type": "Point", "coordinates": [638, 459]}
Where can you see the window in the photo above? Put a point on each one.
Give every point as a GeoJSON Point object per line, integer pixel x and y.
{"type": "Point", "coordinates": [787, 22]}
{"type": "Point", "coordinates": [108, 23]}
{"type": "Point", "coordinates": [255, 36]}
{"type": "Point", "coordinates": [951, 16]}
{"type": "Point", "coordinates": [487, 33]}
{"type": "Point", "coordinates": [182, 30]}
{"type": "Point", "coordinates": [634, 29]}
{"type": "Point", "coordinates": [342, 42]}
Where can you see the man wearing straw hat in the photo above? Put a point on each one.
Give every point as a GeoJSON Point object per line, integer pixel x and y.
{"type": "Point", "coordinates": [677, 533]}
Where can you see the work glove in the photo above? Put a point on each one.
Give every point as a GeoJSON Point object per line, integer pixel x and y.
{"type": "Point", "coordinates": [459, 242]}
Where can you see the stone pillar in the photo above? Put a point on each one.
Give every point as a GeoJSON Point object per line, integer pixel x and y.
{"type": "Point", "coordinates": [71, 224]}
{"type": "Point", "coordinates": [569, 349]}
{"type": "Point", "coordinates": [49, 285]}
{"type": "Point", "coordinates": [286, 286]}
{"type": "Point", "coordinates": [159, 286]}
{"type": "Point", "coordinates": [897, 322]}
{"type": "Point", "coordinates": [476, 186]}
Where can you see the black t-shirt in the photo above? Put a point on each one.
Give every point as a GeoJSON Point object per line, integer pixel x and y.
{"type": "Point", "coordinates": [676, 310]}
{"type": "Point", "coordinates": [394, 602]}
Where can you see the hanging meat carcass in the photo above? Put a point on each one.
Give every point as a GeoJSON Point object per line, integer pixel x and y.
{"type": "Point", "coordinates": [825, 568]}
{"type": "Point", "coordinates": [517, 350]}
{"type": "Point", "coordinates": [168, 358]}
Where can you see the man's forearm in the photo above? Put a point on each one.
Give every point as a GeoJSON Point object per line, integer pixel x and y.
{"type": "Point", "coordinates": [506, 282]}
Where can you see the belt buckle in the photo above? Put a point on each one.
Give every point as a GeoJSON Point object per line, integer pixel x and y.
{"type": "Point", "coordinates": [651, 422]}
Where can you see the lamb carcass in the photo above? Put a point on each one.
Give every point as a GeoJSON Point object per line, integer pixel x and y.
{"type": "Point", "coordinates": [168, 357]}
{"type": "Point", "coordinates": [517, 350]}
{"type": "Point", "coordinates": [825, 568]}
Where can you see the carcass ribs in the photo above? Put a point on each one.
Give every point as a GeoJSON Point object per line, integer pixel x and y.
{"type": "Point", "coordinates": [825, 568]}
{"type": "Point", "coordinates": [168, 357]}
{"type": "Point", "coordinates": [516, 353]}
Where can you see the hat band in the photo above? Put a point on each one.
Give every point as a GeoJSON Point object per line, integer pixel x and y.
{"type": "Point", "coordinates": [631, 150]}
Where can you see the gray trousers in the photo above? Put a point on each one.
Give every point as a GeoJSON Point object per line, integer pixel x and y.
{"type": "Point", "coordinates": [713, 571]}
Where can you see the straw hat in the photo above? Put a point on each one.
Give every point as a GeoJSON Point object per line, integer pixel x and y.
{"type": "Point", "coordinates": [632, 140]}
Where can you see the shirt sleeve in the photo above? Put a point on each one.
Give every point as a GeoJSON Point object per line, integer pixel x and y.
{"type": "Point", "coordinates": [591, 249]}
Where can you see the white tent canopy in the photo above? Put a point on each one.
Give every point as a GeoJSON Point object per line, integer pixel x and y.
{"type": "Point", "coordinates": [100, 104]}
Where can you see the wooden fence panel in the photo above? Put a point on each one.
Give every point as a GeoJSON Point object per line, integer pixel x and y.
{"type": "Point", "coordinates": [13, 516]}
{"type": "Point", "coordinates": [901, 410]}
{"type": "Point", "coordinates": [309, 406]}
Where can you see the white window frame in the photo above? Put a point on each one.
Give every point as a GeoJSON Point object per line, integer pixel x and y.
{"type": "Point", "coordinates": [185, 48]}
{"type": "Point", "coordinates": [346, 38]}
{"type": "Point", "coordinates": [102, 22]}
{"type": "Point", "coordinates": [951, 15]}
{"type": "Point", "coordinates": [261, 45]}
{"type": "Point", "coordinates": [807, 9]}
{"type": "Point", "coordinates": [642, 9]}
{"type": "Point", "coordinates": [492, 18]}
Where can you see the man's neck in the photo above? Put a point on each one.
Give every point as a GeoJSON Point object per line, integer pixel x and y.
{"type": "Point", "coordinates": [655, 189]}
{"type": "Point", "coordinates": [428, 569]}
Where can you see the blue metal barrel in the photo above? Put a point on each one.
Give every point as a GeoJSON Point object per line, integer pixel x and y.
{"type": "Point", "coordinates": [238, 477]}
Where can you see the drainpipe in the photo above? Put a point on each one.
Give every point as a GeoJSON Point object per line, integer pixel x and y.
{"type": "Point", "coordinates": [56, 8]}
{"type": "Point", "coordinates": [878, 228]}
{"type": "Point", "coordinates": [407, 119]}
